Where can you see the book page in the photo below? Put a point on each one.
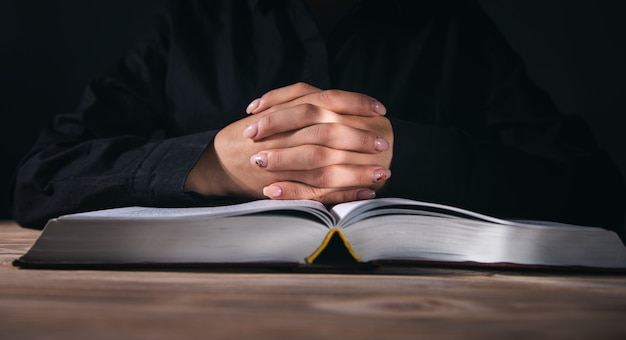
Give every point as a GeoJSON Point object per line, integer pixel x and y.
{"type": "Point", "coordinates": [262, 238]}
{"type": "Point", "coordinates": [352, 212]}
{"type": "Point", "coordinates": [151, 213]}
{"type": "Point", "coordinates": [408, 237]}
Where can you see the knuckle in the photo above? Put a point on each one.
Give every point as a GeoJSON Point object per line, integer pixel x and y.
{"type": "Point", "coordinates": [265, 123]}
{"type": "Point", "coordinates": [274, 160]}
{"type": "Point", "coordinates": [336, 197]}
{"type": "Point", "coordinates": [315, 194]}
{"type": "Point", "coordinates": [302, 191]}
{"type": "Point", "coordinates": [329, 97]}
{"type": "Point", "coordinates": [332, 131]}
{"type": "Point", "coordinates": [317, 133]}
{"type": "Point", "coordinates": [309, 112]}
{"type": "Point", "coordinates": [301, 87]}
{"type": "Point", "coordinates": [347, 196]}
{"type": "Point", "coordinates": [364, 177]}
{"type": "Point", "coordinates": [324, 133]}
{"type": "Point", "coordinates": [317, 155]}
{"type": "Point", "coordinates": [368, 141]}
{"type": "Point", "coordinates": [292, 192]}
{"type": "Point", "coordinates": [322, 177]}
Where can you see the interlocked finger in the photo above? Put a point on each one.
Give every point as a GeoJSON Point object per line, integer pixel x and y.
{"type": "Point", "coordinates": [339, 176]}
{"type": "Point", "coordinates": [294, 190]}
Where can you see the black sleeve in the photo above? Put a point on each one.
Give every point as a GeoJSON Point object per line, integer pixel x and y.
{"type": "Point", "coordinates": [117, 150]}
{"type": "Point", "coordinates": [530, 162]}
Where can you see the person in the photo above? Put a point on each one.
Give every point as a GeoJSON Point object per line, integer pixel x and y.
{"type": "Point", "coordinates": [354, 100]}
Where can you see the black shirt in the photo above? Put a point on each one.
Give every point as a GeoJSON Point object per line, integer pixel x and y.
{"type": "Point", "coordinates": [470, 127]}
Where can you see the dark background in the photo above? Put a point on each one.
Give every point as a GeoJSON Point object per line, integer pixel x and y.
{"type": "Point", "coordinates": [574, 49]}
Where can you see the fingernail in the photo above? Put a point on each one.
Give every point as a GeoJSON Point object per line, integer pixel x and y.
{"type": "Point", "coordinates": [273, 191]}
{"type": "Point", "coordinates": [381, 175]}
{"type": "Point", "coordinates": [379, 108]}
{"type": "Point", "coordinates": [253, 105]}
{"type": "Point", "coordinates": [365, 194]}
{"type": "Point", "coordinates": [251, 130]}
{"type": "Point", "coordinates": [380, 144]}
{"type": "Point", "coordinates": [259, 159]}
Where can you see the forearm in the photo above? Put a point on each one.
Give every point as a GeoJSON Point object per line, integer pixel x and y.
{"type": "Point", "coordinates": [101, 173]}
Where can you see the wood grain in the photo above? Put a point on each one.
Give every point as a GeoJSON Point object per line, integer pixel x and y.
{"type": "Point", "coordinates": [391, 303]}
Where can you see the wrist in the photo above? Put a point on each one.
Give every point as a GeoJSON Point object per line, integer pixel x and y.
{"type": "Point", "coordinates": [204, 178]}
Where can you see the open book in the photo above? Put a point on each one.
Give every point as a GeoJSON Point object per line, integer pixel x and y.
{"type": "Point", "coordinates": [297, 232]}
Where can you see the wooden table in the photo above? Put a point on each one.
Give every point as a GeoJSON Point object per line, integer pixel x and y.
{"type": "Point", "coordinates": [390, 303]}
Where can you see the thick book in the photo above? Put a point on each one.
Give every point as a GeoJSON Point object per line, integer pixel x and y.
{"type": "Point", "coordinates": [267, 232]}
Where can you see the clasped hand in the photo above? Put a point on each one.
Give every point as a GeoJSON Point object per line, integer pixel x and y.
{"type": "Point", "coordinates": [300, 142]}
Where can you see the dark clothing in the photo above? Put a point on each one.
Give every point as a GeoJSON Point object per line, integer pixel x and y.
{"type": "Point", "coordinates": [470, 128]}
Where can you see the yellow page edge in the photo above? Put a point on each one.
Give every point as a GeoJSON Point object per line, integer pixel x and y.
{"type": "Point", "coordinates": [324, 244]}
